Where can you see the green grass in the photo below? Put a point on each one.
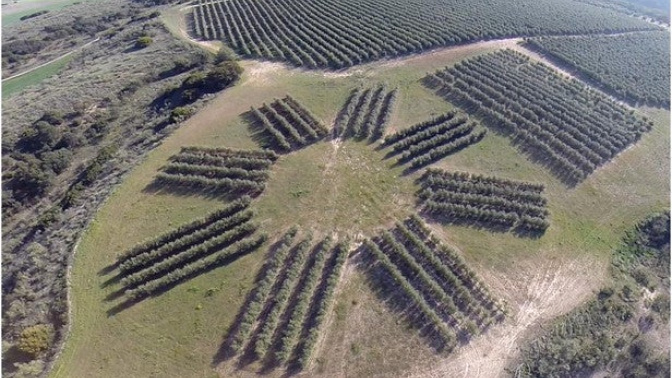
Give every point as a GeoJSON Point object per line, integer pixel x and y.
{"type": "Point", "coordinates": [18, 84]}
{"type": "Point", "coordinates": [9, 18]}
{"type": "Point", "coordinates": [350, 189]}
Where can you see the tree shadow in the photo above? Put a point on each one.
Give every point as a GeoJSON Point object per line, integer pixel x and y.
{"type": "Point", "coordinates": [173, 189]}
{"type": "Point", "coordinates": [523, 232]}
{"type": "Point", "coordinates": [386, 290]}
{"type": "Point", "coordinates": [108, 269]}
{"type": "Point", "coordinates": [128, 303]}
{"type": "Point", "coordinates": [111, 281]}
{"type": "Point", "coordinates": [226, 351]}
{"type": "Point", "coordinates": [258, 134]}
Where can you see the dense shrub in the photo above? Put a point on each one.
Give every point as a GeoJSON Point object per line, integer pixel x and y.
{"type": "Point", "coordinates": [36, 339]}
{"type": "Point", "coordinates": [143, 42]}
{"type": "Point", "coordinates": [223, 75]}
{"type": "Point", "coordinates": [33, 15]}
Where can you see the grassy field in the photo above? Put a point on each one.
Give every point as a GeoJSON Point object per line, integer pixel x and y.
{"type": "Point", "coordinates": [17, 84]}
{"type": "Point", "coordinates": [346, 187]}
{"type": "Point", "coordinates": [12, 13]}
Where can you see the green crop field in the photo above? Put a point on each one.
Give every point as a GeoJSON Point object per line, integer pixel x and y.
{"type": "Point", "coordinates": [17, 84]}
{"type": "Point", "coordinates": [12, 13]}
{"type": "Point", "coordinates": [633, 67]}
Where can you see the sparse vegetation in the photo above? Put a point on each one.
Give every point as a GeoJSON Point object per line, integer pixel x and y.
{"type": "Point", "coordinates": [69, 139]}
{"type": "Point", "coordinates": [609, 332]}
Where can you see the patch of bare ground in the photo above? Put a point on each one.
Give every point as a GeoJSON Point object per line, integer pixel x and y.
{"type": "Point", "coordinates": [535, 292]}
{"type": "Point", "coordinates": [340, 74]}
{"type": "Point", "coordinates": [429, 57]}
{"type": "Point", "coordinates": [441, 54]}
{"type": "Point", "coordinates": [176, 20]}
{"type": "Point", "coordinates": [358, 340]}
{"type": "Point", "coordinates": [261, 73]}
{"type": "Point", "coordinates": [328, 176]}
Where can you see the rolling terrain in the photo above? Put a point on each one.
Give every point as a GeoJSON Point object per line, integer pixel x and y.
{"type": "Point", "coordinates": [347, 187]}
{"type": "Point", "coordinates": [422, 189]}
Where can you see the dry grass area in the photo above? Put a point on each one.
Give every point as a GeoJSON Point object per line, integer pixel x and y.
{"type": "Point", "coordinates": [175, 20]}
{"type": "Point", "coordinates": [536, 292]}
{"type": "Point", "coordinates": [348, 187]}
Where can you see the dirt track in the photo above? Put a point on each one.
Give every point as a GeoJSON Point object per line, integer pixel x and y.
{"type": "Point", "coordinates": [535, 294]}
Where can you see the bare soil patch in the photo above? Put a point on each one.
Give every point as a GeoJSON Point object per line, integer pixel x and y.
{"type": "Point", "coordinates": [448, 52]}
{"type": "Point", "coordinates": [261, 73]}
{"type": "Point", "coordinates": [535, 293]}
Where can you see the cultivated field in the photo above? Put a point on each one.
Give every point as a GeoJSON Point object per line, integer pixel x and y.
{"type": "Point", "coordinates": [344, 33]}
{"type": "Point", "coordinates": [350, 189]}
{"type": "Point", "coordinates": [388, 188]}
{"type": "Point", "coordinates": [642, 75]}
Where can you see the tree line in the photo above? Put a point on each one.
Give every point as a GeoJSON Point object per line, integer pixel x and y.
{"type": "Point", "coordinates": [442, 291]}
{"type": "Point", "coordinates": [366, 113]}
{"type": "Point", "coordinates": [218, 169]}
{"type": "Point", "coordinates": [432, 140]}
{"type": "Point", "coordinates": [156, 265]}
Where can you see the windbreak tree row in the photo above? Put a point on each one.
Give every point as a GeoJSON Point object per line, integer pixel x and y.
{"type": "Point", "coordinates": [280, 322]}
{"type": "Point", "coordinates": [559, 123]}
{"type": "Point", "coordinates": [482, 201]}
{"type": "Point", "coordinates": [339, 34]}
